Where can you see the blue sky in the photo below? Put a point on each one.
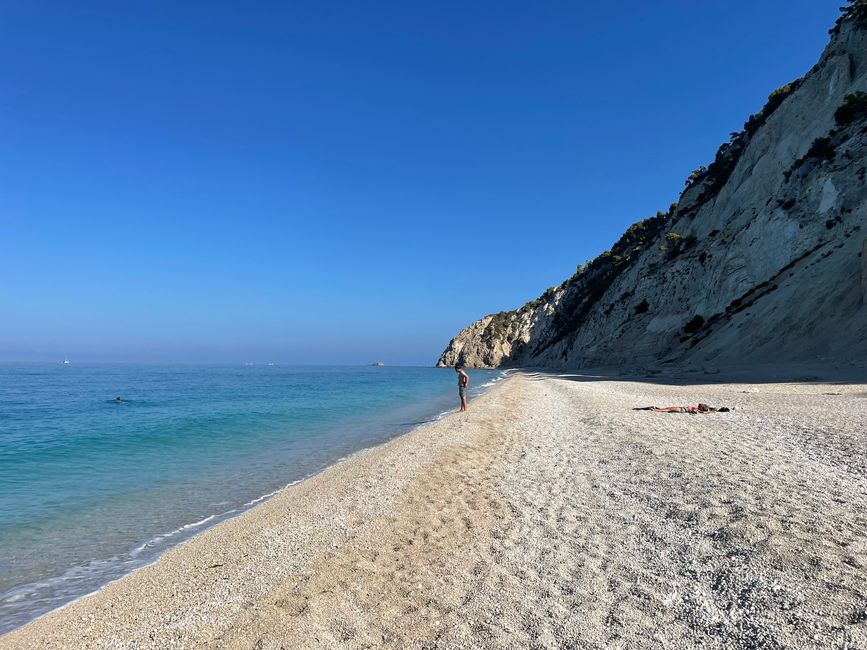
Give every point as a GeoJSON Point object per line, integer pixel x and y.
{"type": "Point", "coordinates": [346, 182]}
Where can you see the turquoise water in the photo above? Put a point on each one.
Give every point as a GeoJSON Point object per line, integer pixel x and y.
{"type": "Point", "coordinates": [91, 489]}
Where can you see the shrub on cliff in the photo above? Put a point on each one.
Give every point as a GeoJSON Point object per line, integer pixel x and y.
{"type": "Point", "coordinates": [500, 326]}
{"type": "Point", "coordinates": [774, 100]}
{"type": "Point", "coordinates": [584, 290]}
{"type": "Point", "coordinates": [639, 234]}
{"type": "Point", "coordinates": [677, 244]}
{"type": "Point", "coordinates": [694, 325]}
{"type": "Point", "coordinates": [856, 11]}
{"type": "Point", "coordinates": [821, 149]}
{"type": "Point", "coordinates": [696, 175]}
{"type": "Point", "coordinates": [853, 109]}
{"type": "Point", "coordinates": [718, 172]}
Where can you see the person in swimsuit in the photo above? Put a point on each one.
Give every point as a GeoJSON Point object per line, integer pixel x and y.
{"type": "Point", "coordinates": [701, 408]}
{"type": "Point", "coordinates": [463, 380]}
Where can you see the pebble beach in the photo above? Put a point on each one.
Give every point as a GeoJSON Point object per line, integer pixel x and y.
{"type": "Point", "coordinates": [550, 515]}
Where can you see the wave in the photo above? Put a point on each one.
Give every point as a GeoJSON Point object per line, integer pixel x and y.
{"type": "Point", "coordinates": [156, 540]}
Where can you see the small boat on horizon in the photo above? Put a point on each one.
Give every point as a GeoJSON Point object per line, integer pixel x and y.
{"type": "Point", "coordinates": [65, 361]}
{"type": "Point", "coordinates": [377, 363]}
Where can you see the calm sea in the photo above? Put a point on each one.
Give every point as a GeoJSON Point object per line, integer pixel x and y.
{"type": "Point", "coordinates": [91, 489]}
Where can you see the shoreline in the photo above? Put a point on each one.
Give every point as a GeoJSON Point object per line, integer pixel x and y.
{"type": "Point", "coordinates": [189, 531]}
{"type": "Point", "coordinates": [549, 513]}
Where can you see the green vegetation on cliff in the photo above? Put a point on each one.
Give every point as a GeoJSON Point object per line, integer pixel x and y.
{"type": "Point", "coordinates": [583, 290]}
{"type": "Point", "coordinates": [578, 294]}
{"type": "Point", "coordinates": [715, 175]}
{"type": "Point", "coordinates": [853, 109]}
{"type": "Point", "coordinates": [856, 11]}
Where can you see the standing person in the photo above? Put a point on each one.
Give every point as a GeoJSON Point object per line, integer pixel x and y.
{"type": "Point", "coordinates": [463, 380]}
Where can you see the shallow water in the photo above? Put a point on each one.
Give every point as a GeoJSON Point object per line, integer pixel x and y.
{"type": "Point", "coordinates": [91, 489]}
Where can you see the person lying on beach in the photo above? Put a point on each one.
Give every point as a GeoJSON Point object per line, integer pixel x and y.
{"type": "Point", "coordinates": [701, 408]}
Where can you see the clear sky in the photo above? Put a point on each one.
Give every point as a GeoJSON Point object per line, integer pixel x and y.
{"type": "Point", "coordinates": [346, 182]}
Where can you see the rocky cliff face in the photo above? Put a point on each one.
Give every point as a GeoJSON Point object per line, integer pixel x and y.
{"type": "Point", "coordinates": [763, 258]}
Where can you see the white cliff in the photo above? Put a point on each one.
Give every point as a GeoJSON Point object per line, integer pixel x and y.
{"type": "Point", "coordinates": [762, 259]}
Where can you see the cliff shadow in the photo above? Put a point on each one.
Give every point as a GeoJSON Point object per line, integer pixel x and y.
{"type": "Point", "coordinates": [811, 374]}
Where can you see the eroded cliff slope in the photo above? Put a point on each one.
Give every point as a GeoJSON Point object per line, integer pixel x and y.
{"type": "Point", "coordinates": [763, 258]}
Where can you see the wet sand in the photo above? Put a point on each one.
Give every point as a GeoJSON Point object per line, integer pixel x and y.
{"type": "Point", "coordinates": [550, 515]}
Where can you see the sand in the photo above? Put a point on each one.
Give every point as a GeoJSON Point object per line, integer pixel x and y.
{"type": "Point", "coordinates": [550, 515]}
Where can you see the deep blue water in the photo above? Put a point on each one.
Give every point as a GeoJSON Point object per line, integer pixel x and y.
{"type": "Point", "coordinates": [91, 489]}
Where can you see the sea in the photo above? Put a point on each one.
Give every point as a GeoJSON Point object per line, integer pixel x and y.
{"type": "Point", "coordinates": [92, 488]}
